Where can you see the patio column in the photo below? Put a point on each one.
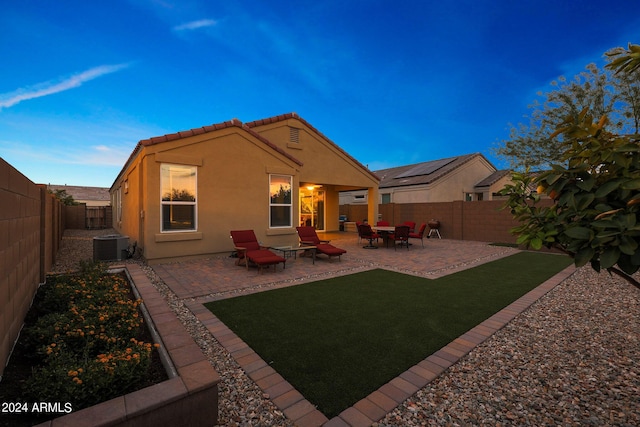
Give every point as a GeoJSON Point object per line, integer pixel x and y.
{"type": "Point", "coordinates": [372, 205]}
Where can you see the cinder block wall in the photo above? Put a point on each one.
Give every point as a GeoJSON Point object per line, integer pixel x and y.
{"type": "Point", "coordinates": [482, 221]}
{"type": "Point", "coordinates": [30, 233]}
{"type": "Point", "coordinates": [76, 216]}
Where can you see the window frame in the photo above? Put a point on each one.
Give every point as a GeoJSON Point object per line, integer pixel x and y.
{"type": "Point", "coordinates": [193, 203]}
{"type": "Point", "coordinates": [289, 205]}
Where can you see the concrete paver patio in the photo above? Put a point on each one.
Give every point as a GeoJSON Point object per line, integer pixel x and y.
{"type": "Point", "coordinates": [219, 277]}
{"type": "Point", "coordinates": [197, 282]}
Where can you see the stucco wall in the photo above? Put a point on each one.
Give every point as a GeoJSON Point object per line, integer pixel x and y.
{"type": "Point", "coordinates": [324, 162]}
{"type": "Point", "coordinates": [233, 169]}
{"type": "Point", "coordinates": [232, 193]}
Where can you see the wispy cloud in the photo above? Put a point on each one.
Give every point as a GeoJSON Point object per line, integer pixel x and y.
{"type": "Point", "coordinates": [194, 25]}
{"type": "Point", "coordinates": [53, 87]}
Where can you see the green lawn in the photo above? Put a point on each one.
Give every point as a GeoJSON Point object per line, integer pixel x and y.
{"type": "Point", "coordinates": [340, 339]}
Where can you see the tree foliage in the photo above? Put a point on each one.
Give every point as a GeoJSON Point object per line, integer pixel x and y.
{"type": "Point", "coordinates": [63, 197]}
{"type": "Point", "coordinates": [602, 92]}
{"type": "Point", "coordinates": [595, 188]}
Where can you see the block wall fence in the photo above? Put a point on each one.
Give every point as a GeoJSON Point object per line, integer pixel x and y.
{"type": "Point", "coordinates": [482, 221]}
{"type": "Point", "coordinates": [31, 226]}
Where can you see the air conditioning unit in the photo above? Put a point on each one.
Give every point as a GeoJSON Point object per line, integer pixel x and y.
{"type": "Point", "coordinates": [110, 248]}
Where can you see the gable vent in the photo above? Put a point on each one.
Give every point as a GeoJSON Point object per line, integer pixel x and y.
{"type": "Point", "coordinates": [294, 135]}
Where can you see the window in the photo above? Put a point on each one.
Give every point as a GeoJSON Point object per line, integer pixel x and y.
{"type": "Point", "coordinates": [386, 198]}
{"type": "Point", "coordinates": [178, 197]}
{"type": "Point", "coordinates": [116, 202]}
{"type": "Point", "coordinates": [280, 201]}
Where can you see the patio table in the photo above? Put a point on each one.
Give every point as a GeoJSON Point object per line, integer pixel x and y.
{"type": "Point", "coordinates": [384, 231]}
{"type": "Point", "coordinates": [383, 228]}
{"type": "Point", "coordinates": [288, 250]}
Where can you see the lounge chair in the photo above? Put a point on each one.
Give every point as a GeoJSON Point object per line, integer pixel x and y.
{"type": "Point", "coordinates": [419, 234]}
{"type": "Point", "coordinates": [249, 249]}
{"type": "Point", "coordinates": [401, 234]}
{"type": "Point", "coordinates": [309, 237]}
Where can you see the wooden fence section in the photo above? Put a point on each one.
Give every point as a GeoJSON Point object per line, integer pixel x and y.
{"type": "Point", "coordinates": [31, 226]}
{"type": "Point", "coordinates": [483, 221]}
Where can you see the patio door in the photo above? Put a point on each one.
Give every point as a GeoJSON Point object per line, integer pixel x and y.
{"type": "Point", "coordinates": [312, 207]}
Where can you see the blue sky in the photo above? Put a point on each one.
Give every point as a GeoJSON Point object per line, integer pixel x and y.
{"type": "Point", "coordinates": [391, 82]}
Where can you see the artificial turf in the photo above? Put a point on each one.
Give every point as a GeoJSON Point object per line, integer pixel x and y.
{"type": "Point", "coordinates": [340, 339]}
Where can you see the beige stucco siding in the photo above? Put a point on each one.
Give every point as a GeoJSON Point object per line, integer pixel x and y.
{"type": "Point", "coordinates": [324, 164]}
{"type": "Point", "coordinates": [232, 193]}
{"type": "Point", "coordinates": [323, 161]}
{"type": "Point", "coordinates": [233, 164]}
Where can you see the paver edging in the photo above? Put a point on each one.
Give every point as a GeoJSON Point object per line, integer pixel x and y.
{"type": "Point", "coordinates": [393, 393]}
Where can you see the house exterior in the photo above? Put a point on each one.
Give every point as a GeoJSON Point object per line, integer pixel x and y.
{"type": "Point", "coordinates": [467, 177]}
{"type": "Point", "coordinates": [90, 196]}
{"type": "Point", "coordinates": [179, 195]}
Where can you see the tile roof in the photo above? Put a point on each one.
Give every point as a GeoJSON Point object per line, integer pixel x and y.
{"type": "Point", "coordinates": [100, 194]}
{"type": "Point", "coordinates": [423, 173]}
{"type": "Point", "coordinates": [246, 127]}
{"type": "Point", "coordinates": [212, 128]}
{"type": "Point", "coordinates": [199, 131]}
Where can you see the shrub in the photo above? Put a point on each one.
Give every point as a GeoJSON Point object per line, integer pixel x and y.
{"type": "Point", "coordinates": [85, 344]}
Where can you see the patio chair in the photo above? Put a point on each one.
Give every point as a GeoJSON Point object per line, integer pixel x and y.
{"type": "Point", "coordinates": [249, 249]}
{"type": "Point", "coordinates": [383, 223]}
{"type": "Point", "coordinates": [411, 224]}
{"type": "Point", "coordinates": [365, 232]}
{"type": "Point", "coordinates": [419, 234]}
{"type": "Point", "coordinates": [400, 234]}
{"type": "Point", "coordinates": [309, 237]}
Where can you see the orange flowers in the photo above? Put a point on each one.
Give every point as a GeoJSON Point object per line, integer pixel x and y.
{"type": "Point", "coordinates": [93, 339]}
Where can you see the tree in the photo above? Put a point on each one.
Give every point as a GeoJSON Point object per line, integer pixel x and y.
{"type": "Point", "coordinates": [602, 92]}
{"type": "Point", "coordinates": [65, 199]}
{"type": "Point", "coordinates": [626, 67]}
{"type": "Point", "coordinates": [596, 198]}
{"type": "Point", "coordinates": [625, 61]}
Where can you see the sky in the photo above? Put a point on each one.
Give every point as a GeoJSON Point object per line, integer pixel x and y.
{"type": "Point", "coordinates": [391, 82]}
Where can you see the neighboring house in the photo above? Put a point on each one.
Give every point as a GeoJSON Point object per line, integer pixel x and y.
{"type": "Point", "coordinates": [468, 177]}
{"type": "Point", "coordinates": [179, 195]}
{"type": "Point", "coordinates": [488, 188]}
{"type": "Point", "coordinates": [91, 196]}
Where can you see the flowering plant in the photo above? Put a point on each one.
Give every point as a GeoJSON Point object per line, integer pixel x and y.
{"type": "Point", "coordinates": [86, 344]}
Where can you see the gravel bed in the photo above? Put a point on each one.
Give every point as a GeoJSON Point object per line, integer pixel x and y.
{"type": "Point", "coordinates": [572, 359]}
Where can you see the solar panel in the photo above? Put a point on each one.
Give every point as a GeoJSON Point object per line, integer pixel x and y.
{"type": "Point", "coordinates": [426, 168]}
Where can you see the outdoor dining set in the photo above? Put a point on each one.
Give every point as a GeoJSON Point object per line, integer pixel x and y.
{"type": "Point", "coordinates": [398, 235]}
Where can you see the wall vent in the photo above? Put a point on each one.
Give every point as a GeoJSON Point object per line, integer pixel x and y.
{"type": "Point", "coordinates": [294, 135]}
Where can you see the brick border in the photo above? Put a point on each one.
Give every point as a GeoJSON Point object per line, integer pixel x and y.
{"type": "Point", "coordinates": [382, 401]}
